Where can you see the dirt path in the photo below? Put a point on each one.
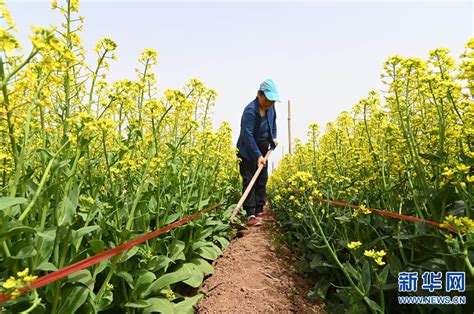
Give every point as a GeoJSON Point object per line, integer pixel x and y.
{"type": "Point", "coordinates": [251, 278]}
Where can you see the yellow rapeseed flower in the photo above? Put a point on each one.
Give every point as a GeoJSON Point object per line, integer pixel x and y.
{"type": "Point", "coordinates": [461, 224]}
{"type": "Point", "coordinates": [376, 255]}
{"type": "Point", "coordinates": [169, 294]}
{"type": "Point", "coordinates": [361, 210]}
{"type": "Point", "coordinates": [15, 294]}
{"type": "Point", "coordinates": [23, 273]}
{"type": "Point", "coordinates": [448, 173]}
{"type": "Point", "coordinates": [354, 244]}
{"type": "Point", "coordinates": [10, 283]}
{"type": "Point", "coordinates": [448, 238]}
{"type": "Point", "coordinates": [316, 193]}
{"type": "Point", "coordinates": [463, 168]}
{"type": "Point", "coordinates": [8, 43]}
{"type": "Point", "coordinates": [369, 253]}
{"type": "Point", "coordinates": [30, 278]}
{"type": "Point", "coordinates": [364, 209]}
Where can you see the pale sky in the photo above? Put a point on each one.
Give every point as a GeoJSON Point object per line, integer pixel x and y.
{"type": "Point", "coordinates": [323, 56]}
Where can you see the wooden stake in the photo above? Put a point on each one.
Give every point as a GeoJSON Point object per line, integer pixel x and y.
{"type": "Point", "coordinates": [289, 127]}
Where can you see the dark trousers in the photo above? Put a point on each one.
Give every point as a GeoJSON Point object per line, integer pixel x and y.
{"type": "Point", "coordinates": [256, 199]}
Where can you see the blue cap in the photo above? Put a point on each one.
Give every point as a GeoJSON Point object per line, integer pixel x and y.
{"type": "Point", "coordinates": [268, 87]}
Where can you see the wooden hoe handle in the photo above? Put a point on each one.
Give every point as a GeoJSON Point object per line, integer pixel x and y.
{"type": "Point", "coordinates": [249, 187]}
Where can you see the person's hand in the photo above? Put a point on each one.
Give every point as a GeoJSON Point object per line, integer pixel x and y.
{"type": "Point", "coordinates": [261, 161]}
{"type": "Point", "coordinates": [275, 142]}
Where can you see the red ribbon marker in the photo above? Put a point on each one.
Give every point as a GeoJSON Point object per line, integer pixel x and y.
{"type": "Point", "coordinates": [394, 215]}
{"type": "Point", "coordinates": [63, 272]}
{"type": "Point", "coordinates": [386, 213]}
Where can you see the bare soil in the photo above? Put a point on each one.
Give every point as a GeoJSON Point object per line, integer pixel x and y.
{"type": "Point", "coordinates": [251, 278]}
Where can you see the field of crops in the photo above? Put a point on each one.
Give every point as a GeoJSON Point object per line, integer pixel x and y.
{"type": "Point", "coordinates": [409, 152]}
{"type": "Point", "coordinates": [86, 165]}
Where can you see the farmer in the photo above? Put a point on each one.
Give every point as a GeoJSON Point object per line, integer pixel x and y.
{"type": "Point", "coordinates": [257, 135]}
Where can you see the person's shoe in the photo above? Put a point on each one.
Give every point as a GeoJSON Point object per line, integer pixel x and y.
{"type": "Point", "coordinates": [253, 221]}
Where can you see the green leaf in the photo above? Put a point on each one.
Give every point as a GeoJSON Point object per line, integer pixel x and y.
{"type": "Point", "coordinates": [382, 277]}
{"type": "Point", "coordinates": [351, 270]}
{"type": "Point", "coordinates": [207, 232]}
{"type": "Point", "coordinates": [195, 275]}
{"type": "Point", "coordinates": [319, 291]}
{"type": "Point", "coordinates": [129, 254]}
{"type": "Point", "coordinates": [166, 280]}
{"type": "Point", "coordinates": [228, 212]}
{"type": "Point", "coordinates": [373, 305]}
{"type": "Point", "coordinates": [82, 276]}
{"type": "Point", "coordinates": [172, 147]}
{"type": "Point", "coordinates": [7, 304]}
{"type": "Point", "coordinates": [126, 276]}
{"type": "Point", "coordinates": [366, 279]}
{"type": "Point", "coordinates": [203, 203]}
{"type": "Point", "coordinates": [97, 246]}
{"type": "Point", "coordinates": [25, 252]}
{"type": "Point", "coordinates": [139, 304]}
{"type": "Point", "coordinates": [101, 266]}
{"type": "Point", "coordinates": [6, 202]}
{"type": "Point", "coordinates": [222, 241]}
{"type": "Point", "coordinates": [196, 245]}
{"type": "Point", "coordinates": [186, 306]}
{"type": "Point", "coordinates": [46, 266]}
{"type": "Point", "coordinates": [106, 299]}
{"type": "Point", "coordinates": [46, 247]}
{"type": "Point", "coordinates": [171, 218]}
{"type": "Point", "coordinates": [160, 262]}
{"type": "Point", "coordinates": [395, 264]}
{"type": "Point", "coordinates": [78, 234]}
{"type": "Point", "coordinates": [469, 244]}
{"type": "Point", "coordinates": [14, 231]}
{"type": "Point", "coordinates": [203, 265]}
{"type": "Point", "coordinates": [48, 235]}
{"type": "Point", "coordinates": [210, 251]}
{"type": "Point", "coordinates": [68, 213]}
{"type": "Point", "coordinates": [221, 226]}
{"type": "Point", "coordinates": [318, 262]}
{"type": "Point", "coordinates": [143, 282]}
{"type": "Point", "coordinates": [83, 231]}
{"type": "Point", "coordinates": [152, 204]}
{"type": "Point", "coordinates": [176, 250]}
{"type": "Point", "coordinates": [343, 218]}
{"type": "Point", "coordinates": [434, 264]}
{"type": "Point", "coordinates": [159, 304]}
{"type": "Point", "coordinates": [72, 297]}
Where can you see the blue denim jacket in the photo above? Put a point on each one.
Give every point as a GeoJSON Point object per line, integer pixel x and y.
{"type": "Point", "coordinates": [249, 128]}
